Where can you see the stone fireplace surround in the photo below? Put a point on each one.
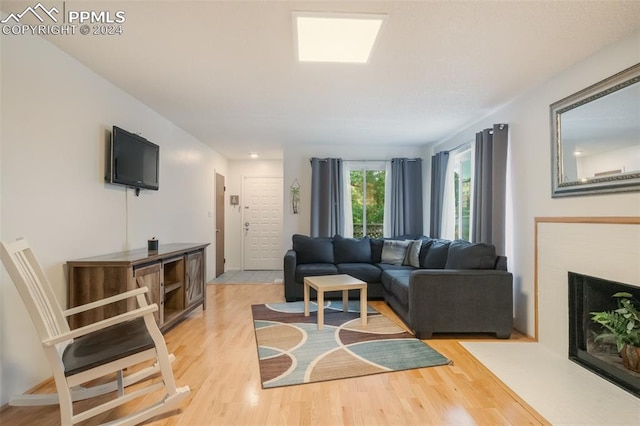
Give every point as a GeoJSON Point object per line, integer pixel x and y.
{"type": "Point", "coordinates": [541, 373]}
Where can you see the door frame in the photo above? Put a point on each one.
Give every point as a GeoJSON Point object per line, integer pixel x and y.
{"type": "Point", "coordinates": [219, 224]}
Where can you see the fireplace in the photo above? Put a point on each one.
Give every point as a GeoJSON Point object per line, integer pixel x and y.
{"type": "Point", "coordinates": [589, 294]}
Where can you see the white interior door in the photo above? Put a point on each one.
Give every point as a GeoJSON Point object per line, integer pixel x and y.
{"type": "Point", "coordinates": [262, 223]}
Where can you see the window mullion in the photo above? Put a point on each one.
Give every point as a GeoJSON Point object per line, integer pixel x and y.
{"type": "Point", "coordinates": [364, 202]}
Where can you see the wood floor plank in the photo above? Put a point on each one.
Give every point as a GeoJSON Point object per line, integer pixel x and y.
{"type": "Point", "coordinates": [216, 356]}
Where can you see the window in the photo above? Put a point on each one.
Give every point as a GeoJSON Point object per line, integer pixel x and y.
{"type": "Point", "coordinates": [462, 194]}
{"type": "Point", "coordinates": [367, 187]}
{"type": "Point", "coordinates": [457, 218]}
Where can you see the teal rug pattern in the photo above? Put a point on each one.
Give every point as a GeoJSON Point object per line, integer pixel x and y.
{"type": "Point", "coordinates": [292, 351]}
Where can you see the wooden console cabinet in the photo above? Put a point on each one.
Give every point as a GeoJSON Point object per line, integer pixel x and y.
{"type": "Point", "coordinates": [175, 276]}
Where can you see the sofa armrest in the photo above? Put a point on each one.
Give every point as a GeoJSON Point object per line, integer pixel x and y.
{"type": "Point", "coordinates": [446, 300]}
{"type": "Point", "coordinates": [289, 272]}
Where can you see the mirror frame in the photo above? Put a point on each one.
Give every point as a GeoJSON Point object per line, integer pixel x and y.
{"type": "Point", "coordinates": [623, 182]}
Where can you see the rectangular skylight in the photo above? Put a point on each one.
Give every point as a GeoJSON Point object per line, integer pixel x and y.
{"type": "Point", "coordinates": [336, 37]}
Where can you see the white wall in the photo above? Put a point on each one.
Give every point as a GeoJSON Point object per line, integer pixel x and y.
{"type": "Point", "coordinates": [530, 165]}
{"type": "Point", "coordinates": [297, 166]}
{"type": "Point", "coordinates": [55, 118]}
{"type": "Point", "coordinates": [238, 170]}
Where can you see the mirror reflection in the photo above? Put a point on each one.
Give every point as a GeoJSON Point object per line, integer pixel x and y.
{"type": "Point", "coordinates": [602, 138]}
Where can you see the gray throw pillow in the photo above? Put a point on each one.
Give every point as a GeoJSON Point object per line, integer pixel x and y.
{"type": "Point", "coordinates": [466, 255]}
{"type": "Point", "coordinates": [394, 252]}
{"type": "Point", "coordinates": [413, 254]}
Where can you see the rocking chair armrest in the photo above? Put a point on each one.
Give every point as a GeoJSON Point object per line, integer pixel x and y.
{"type": "Point", "coordinates": [78, 332]}
{"type": "Point", "coordinates": [105, 301]}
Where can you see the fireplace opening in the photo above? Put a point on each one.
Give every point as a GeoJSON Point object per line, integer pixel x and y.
{"type": "Point", "coordinates": [590, 294]}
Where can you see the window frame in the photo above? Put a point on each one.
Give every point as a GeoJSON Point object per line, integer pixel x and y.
{"type": "Point", "coordinates": [365, 166]}
{"type": "Point", "coordinates": [449, 219]}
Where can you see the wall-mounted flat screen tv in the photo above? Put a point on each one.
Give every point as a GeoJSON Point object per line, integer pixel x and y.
{"type": "Point", "coordinates": [132, 160]}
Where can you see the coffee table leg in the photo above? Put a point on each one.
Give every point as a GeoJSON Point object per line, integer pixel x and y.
{"type": "Point", "coordinates": [306, 299]}
{"type": "Point", "coordinates": [345, 300]}
{"type": "Point", "coordinates": [363, 305]}
{"type": "Point", "coordinates": [320, 309]}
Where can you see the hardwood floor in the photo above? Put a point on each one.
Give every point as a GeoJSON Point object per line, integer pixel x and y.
{"type": "Point", "coordinates": [216, 356]}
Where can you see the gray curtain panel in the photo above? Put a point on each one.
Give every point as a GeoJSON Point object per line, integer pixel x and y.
{"type": "Point", "coordinates": [438, 175]}
{"type": "Point", "coordinates": [327, 198]}
{"type": "Point", "coordinates": [490, 181]}
{"type": "Point", "coordinates": [406, 196]}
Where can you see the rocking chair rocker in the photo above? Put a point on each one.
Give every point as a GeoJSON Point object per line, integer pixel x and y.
{"type": "Point", "coordinates": [102, 349]}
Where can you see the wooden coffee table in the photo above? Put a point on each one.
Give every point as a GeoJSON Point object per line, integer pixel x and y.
{"type": "Point", "coordinates": [341, 282]}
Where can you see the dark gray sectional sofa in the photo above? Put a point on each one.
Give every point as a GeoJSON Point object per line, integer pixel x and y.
{"type": "Point", "coordinates": [434, 285]}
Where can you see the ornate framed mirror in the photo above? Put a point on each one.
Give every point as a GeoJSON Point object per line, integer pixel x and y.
{"type": "Point", "coordinates": [595, 138]}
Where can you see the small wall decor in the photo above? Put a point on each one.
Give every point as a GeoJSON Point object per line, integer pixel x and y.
{"type": "Point", "coordinates": [294, 193]}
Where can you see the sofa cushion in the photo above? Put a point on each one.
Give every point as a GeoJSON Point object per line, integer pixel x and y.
{"type": "Point", "coordinates": [362, 271]}
{"type": "Point", "coordinates": [389, 267]}
{"type": "Point", "coordinates": [412, 257]}
{"type": "Point", "coordinates": [394, 251]}
{"type": "Point", "coordinates": [436, 257]}
{"type": "Point", "coordinates": [376, 249]}
{"type": "Point", "coordinates": [465, 255]}
{"type": "Point", "coordinates": [313, 270]}
{"type": "Point", "coordinates": [387, 277]}
{"type": "Point", "coordinates": [351, 250]}
{"type": "Point", "coordinates": [501, 263]}
{"type": "Point", "coordinates": [389, 274]}
{"type": "Point", "coordinates": [313, 250]}
{"type": "Point", "coordinates": [400, 289]}
{"type": "Point", "coordinates": [396, 281]}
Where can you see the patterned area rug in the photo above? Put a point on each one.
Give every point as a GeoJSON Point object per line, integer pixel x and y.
{"type": "Point", "coordinates": [291, 349]}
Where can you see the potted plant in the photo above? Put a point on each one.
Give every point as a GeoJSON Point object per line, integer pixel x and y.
{"type": "Point", "coordinates": [623, 325]}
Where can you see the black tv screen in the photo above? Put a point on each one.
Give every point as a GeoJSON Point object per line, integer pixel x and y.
{"type": "Point", "coordinates": [133, 160]}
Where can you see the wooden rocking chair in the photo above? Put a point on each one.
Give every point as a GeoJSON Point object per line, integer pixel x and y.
{"type": "Point", "coordinates": [105, 348]}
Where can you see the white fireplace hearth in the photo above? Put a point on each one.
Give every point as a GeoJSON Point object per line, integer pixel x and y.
{"type": "Point", "coordinates": [541, 373]}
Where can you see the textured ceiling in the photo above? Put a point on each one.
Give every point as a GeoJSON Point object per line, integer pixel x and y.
{"type": "Point", "coordinates": [226, 71]}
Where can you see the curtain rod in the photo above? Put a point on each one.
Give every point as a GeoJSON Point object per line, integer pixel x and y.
{"type": "Point", "coordinates": [366, 161]}
{"type": "Point", "coordinates": [457, 147]}
{"type": "Point", "coordinates": [501, 126]}
{"type": "Point", "coordinates": [377, 161]}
